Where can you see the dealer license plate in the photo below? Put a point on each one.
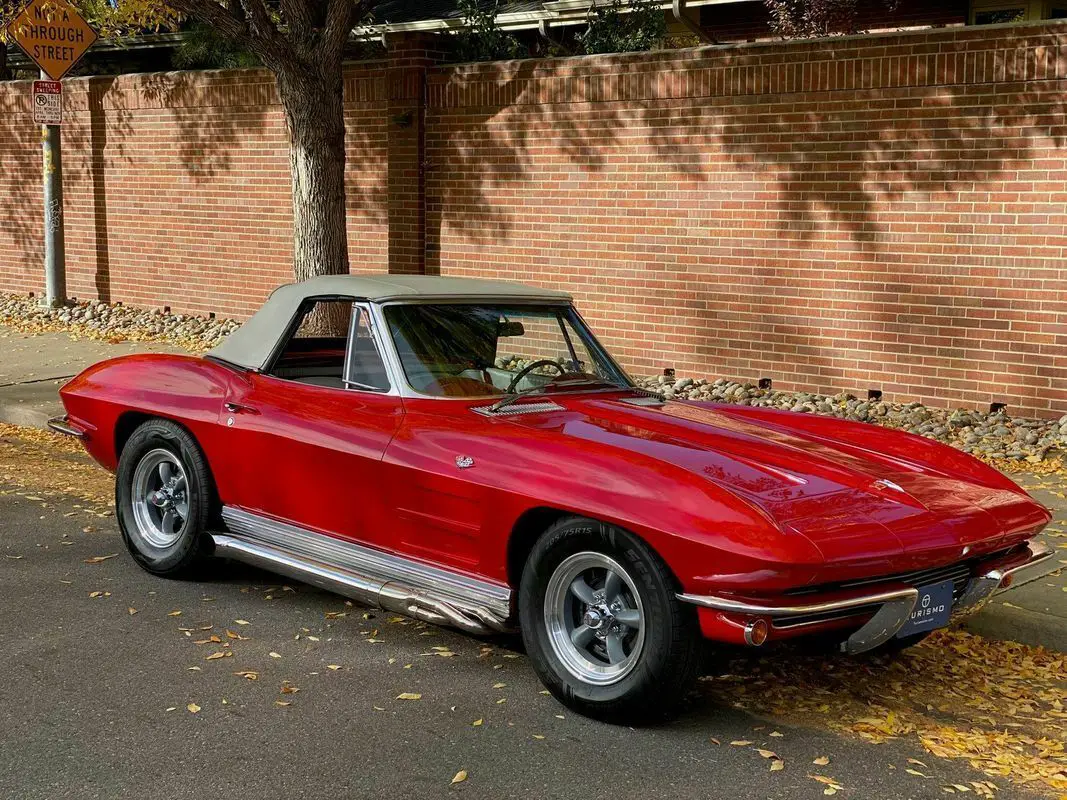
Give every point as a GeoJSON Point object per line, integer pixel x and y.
{"type": "Point", "coordinates": [932, 609]}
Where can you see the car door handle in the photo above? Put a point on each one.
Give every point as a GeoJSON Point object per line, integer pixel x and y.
{"type": "Point", "coordinates": [238, 408]}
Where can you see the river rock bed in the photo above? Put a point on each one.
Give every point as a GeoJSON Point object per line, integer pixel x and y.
{"type": "Point", "coordinates": [992, 436]}
{"type": "Point", "coordinates": [115, 322]}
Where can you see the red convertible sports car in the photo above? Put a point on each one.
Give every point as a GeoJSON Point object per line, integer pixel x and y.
{"type": "Point", "coordinates": [467, 453]}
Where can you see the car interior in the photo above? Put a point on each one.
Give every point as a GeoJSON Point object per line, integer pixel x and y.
{"type": "Point", "coordinates": [445, 351]}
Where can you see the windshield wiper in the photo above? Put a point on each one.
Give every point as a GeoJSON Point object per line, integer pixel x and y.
{"type": "Point", "coordinates": [507, 400]}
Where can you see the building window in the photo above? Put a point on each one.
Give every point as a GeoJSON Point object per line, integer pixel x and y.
{"type": "Point", "coordinates": [995, 12]}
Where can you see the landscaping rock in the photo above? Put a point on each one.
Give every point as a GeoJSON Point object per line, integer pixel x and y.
{"type": "Point", "coordinates": [114, 323]}
{"type": "Point", "coordinates": [991, 436]}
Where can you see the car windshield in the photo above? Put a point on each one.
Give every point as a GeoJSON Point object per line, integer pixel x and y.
{"type": "Point", "coordinates": [486, 350]}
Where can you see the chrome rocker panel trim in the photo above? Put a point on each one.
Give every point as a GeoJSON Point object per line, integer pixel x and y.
{"type": "Point", "coordinates": [62, 425]}
{"type": "Point", "coordinates": [895, 606]}
{"type": "Point", "coordinates": [373, 577]}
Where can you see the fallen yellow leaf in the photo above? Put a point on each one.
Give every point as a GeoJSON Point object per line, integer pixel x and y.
{"type": "Point", "coordinates": [460, 776]}
{"type": "Point", "coordinates": [193, 708]}
{"type": "Point", "coordinates": [409, 696]}
{"type": "Point", "coordinates": [98, 559]}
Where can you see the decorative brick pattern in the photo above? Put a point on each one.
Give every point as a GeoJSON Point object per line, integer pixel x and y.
{"type": "Point", "coordinates": [868, 212]}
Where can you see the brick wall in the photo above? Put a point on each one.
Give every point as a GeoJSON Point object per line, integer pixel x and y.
{"type": "Point", "coordinates": [177, 188]}
{"type": "Point", "coordinates": [871, 212]}
{"type": "Point", "coordinates": [865, 212]}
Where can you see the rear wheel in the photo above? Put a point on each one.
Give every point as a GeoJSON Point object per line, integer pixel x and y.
{"type": "Point", "coordinates": [163, 498]}
{"type": "Point", "coordinates": [602, 625]}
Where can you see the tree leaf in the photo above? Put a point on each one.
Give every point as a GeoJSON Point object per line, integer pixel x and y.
{"type": "Point", "coordinates": [193, 708]}
{"type": "Point", "coordinates": [409, 696]}
{"type": "Point", "coordinates": [98, 559]}
{"type": "Point", "coordinates": [822, 761]}
{"type": "Point", "coordinates": [460, 776]}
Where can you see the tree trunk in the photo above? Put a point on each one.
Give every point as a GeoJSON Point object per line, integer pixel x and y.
{"type": "Point", "coordinates": [314, 111]}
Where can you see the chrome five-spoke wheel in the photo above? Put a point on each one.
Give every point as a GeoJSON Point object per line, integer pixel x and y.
{"type": "Point", "coordinates": [594, 617]}
{"type": "Point", "coordinates": [602, 623]}
{"type": "Point", "coordinates": [160, 498]}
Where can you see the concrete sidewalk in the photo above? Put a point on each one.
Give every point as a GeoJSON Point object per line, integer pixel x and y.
{"type": "Point", "coordinates": [1037, 612]}
{"type": "Point", "coordinates": [34, 367]}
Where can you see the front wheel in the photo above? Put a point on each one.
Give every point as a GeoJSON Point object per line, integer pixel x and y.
{"type": "Point", "coordinates": [602, 625]}
{"type": "Point", "coordinates": [163, 498]}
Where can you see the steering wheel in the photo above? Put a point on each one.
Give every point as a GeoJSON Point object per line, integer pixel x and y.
{"type": "Point", "coordinates": [522, 373]}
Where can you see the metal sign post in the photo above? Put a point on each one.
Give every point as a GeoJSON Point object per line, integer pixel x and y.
{"type": "Point", "coordinates": [55, 255]}
{"type": "Point", "coordinates": [54, 35]}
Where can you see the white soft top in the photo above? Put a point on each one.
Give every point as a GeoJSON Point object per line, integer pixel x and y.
{"type": "Point", "coordinates": [251, 345]}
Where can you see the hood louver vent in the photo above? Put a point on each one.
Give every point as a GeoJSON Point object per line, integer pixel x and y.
{"type": "Point", "coordinates": [518, 408]}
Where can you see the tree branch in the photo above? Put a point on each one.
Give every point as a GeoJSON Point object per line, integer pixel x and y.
{"type": "Point", "coordinates": [260, 23]}
{"type": "Point", "coordinates": [300, 19]}
{"type": "Point", "coordinates": [236, 23]}
{"type": "Point", "coordinates": [341, 17]}
{"type": "Point", "coordinates": [211, 12]}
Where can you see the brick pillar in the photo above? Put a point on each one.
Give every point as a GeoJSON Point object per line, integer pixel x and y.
{"type": "Point", "coordinates": [410, 56]}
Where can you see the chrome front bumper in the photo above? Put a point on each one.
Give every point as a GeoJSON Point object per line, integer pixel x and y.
{"type": "Point", "coordinates": [890, 609]}
{"type": "Point", "coordinates": [62, 425]}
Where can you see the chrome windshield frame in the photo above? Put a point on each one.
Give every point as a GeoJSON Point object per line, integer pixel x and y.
{"type": "Point", "coordinates": [396, 368]}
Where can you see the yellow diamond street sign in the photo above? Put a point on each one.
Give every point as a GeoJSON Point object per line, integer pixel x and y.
{"type": "Point", "coordinates": [53, 34]}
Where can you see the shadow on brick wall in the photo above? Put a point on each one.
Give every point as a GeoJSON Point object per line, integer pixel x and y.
{"type": "Point", "coordinates": [855, 218]}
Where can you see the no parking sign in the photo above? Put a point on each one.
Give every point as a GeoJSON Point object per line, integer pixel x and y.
{"type": "Point", "coordinates": [47, 102]}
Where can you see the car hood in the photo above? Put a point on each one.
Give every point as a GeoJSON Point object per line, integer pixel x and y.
{"type": "Point", "coordinates": [847, 487]}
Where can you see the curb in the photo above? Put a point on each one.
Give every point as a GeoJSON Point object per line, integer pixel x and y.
{"type": "Point", "coordinates": [26, 416]}
{"type": "Point", "coordinates": [1034, 628]}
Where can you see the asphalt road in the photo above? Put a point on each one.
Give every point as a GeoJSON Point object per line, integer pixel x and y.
{"type": "Point", "coordinates": [95, 699]}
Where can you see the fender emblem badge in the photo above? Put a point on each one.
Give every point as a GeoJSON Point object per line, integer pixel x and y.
{"type": "Point", "coordinates": [885, 484]}
{"type": "Point", "coordinates": [463, 462]}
